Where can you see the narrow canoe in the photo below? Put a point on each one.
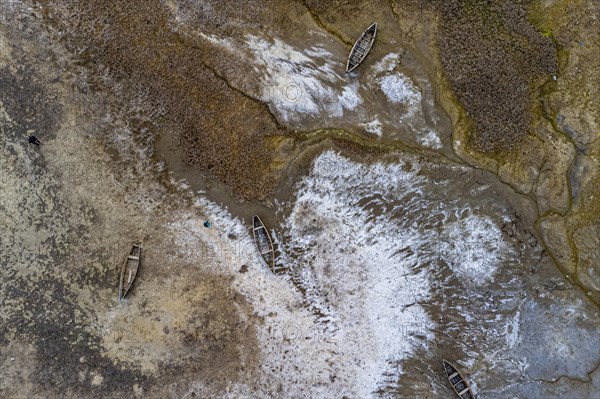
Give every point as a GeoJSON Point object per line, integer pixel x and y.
{"type": "Point", "coordinates": [263, 241]}
{"type": "Point", "coordinates": [361, 48]}
{"type": "Point", "coordinates": [130, 269]}
{"type": "Point", "coordinates": [459, 384]}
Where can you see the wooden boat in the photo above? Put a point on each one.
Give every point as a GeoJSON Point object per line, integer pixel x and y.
{"type": "Point", "coordinates": [460, 385]}
{"type": "Point", "coordinates": [263, 242]}
{"type": "Point", "coordinates": [130, 269]}
{"type": "Point", "coordinates": [361, 48]}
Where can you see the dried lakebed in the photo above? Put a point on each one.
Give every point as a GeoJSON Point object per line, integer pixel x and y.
{"type": "Point", "coordinates": [391, 257]}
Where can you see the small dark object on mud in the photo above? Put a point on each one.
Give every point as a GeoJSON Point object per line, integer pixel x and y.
{"type": "Point", "coordinates": [244, 269]}
{"type": "Point", "coordinates": [34, 140]}
{"type": "Point", "coordinates": [207, 224]}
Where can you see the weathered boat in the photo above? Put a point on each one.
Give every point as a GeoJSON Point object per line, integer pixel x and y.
{"type": "Point", "coordinates": [263, 242]}
{"type": "Point", "coordinates": [362, 47]}
{"type": "Point", "coordinates": [130, 269]}
{"type": "Point", "coordinates": [459, 384]}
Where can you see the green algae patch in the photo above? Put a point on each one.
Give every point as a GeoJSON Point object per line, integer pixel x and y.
{"type": "Point", "coordinates": [547, 19]}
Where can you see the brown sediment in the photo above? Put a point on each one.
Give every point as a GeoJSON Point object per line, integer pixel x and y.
{"type": "Point", "coordinates": [492, 56]}
{"type": "Point", "coordinates": [220, 131]}
{"type": "Point", "coordinates": [569, 104]}
{"type": "Point", "coordinates": [509, 79]}
{"type": "Point", "coordinates": [357, 149]}
{"type": "Point", "coordinates": [496, 64]}
{"type": "Point", "coordinates": [315, 15]}
{"type": "Point", "coordinates": [66, 241]}
{"type": "Point", "coordinates": [193, 326]}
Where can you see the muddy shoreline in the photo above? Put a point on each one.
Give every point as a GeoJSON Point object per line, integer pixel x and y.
{"type": "Point", "coordinates": [396, 254]}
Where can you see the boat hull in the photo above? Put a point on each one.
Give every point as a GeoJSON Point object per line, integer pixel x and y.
{"type": "Point", "coordinates": [458, 382]}
{"type": "Point", "coordinates": [129, 271]}
{"type": "Point", "coordinates": [361, 47]}
{"type": "Point", "coordinates": [263, 242]}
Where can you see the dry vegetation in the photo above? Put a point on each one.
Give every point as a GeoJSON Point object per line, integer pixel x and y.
{"type": "Point", "coordinates": [493, 57]}
{"type": "Point", "coordinates": [132, 45]}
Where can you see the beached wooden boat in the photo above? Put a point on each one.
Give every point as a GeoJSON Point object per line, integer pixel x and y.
{"type": "Point", "coordinates": [460, 385]}
{"type": "Point", "coordinates": [130, 269]}
{"type": "Point", "coordinates": [263, 242]}
{"type": "Point", "coordinates": [362, 47]}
